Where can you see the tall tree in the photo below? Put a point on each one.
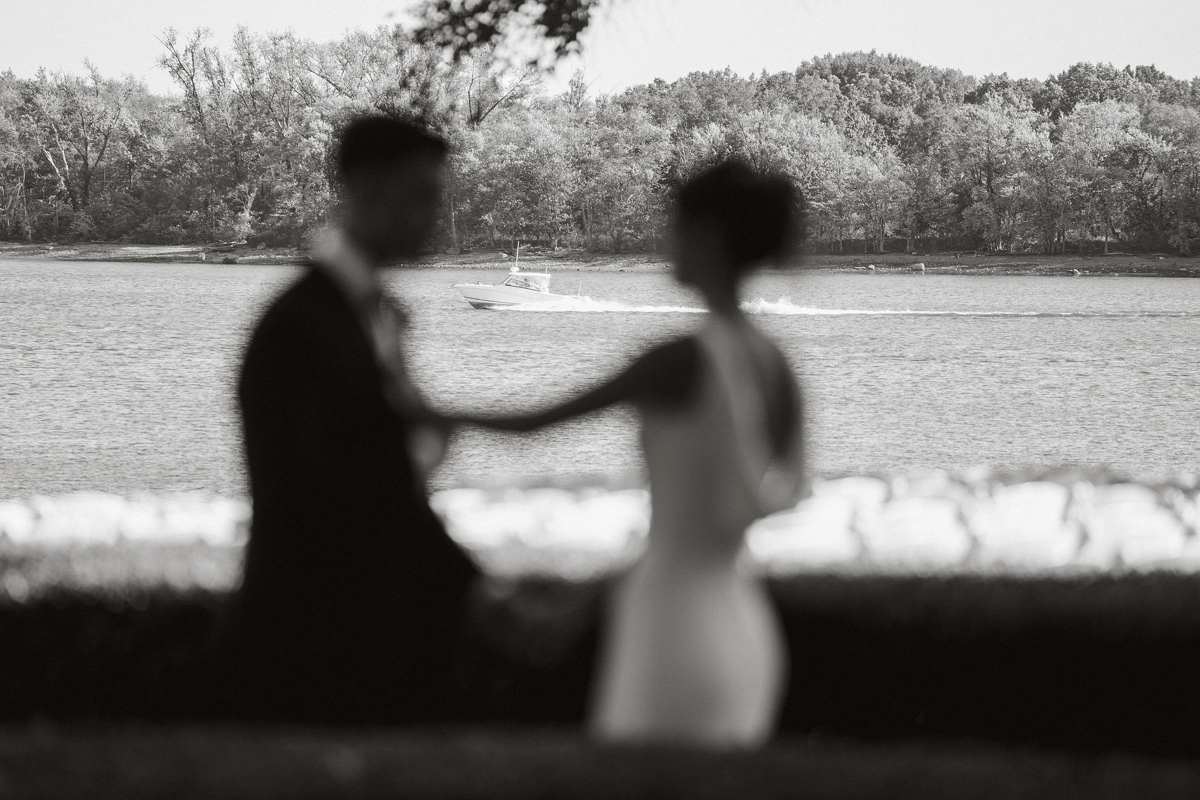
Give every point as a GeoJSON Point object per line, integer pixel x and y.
{"type": "Point", "coordinates": [1174, 133]}
{"type": "Point", "coordinates": [1090, 83]}
{"type": "Point", "coordinates": [1099, 144]}
{"type": "Point", "coordinates": [992, 147]}
{"type": "Point", "coordinates": [16, 162]}
{"type": "Point", "coordinates": [80, 121]}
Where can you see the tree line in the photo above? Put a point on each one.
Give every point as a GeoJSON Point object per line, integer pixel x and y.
{"type": "Point", "coordinates": [890, 154]}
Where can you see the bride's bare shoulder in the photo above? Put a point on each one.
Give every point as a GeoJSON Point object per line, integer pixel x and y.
{"type": "Point", "coordinates": [668, 372]}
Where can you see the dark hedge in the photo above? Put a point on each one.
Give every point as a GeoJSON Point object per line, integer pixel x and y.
{"type": "Point", "coordinates": [1083, 665]}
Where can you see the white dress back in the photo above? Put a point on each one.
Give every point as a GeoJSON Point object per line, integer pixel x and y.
{"type": "Point", "coordinates": [693, 651]}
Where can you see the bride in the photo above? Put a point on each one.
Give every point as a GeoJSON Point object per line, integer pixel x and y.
{"type": "Point", "coordinates": [693, 650]}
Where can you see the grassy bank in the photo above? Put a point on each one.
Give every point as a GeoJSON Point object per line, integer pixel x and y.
{"type": "Point", "coordinates": [1150, 265]}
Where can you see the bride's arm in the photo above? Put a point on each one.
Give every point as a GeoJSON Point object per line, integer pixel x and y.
{"type": "Point", "coordinates": [617, 389]}
{"type": "Point", "coordinates": [665, 371]}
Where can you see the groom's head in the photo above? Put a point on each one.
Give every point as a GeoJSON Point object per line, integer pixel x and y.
{"type": "Point", "coordinates": [391, 179]}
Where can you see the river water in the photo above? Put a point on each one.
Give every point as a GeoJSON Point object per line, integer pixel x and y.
{"type": "Point", "coordinates": [120, 377]}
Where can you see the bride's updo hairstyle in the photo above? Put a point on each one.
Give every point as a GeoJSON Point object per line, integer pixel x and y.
{"type": "Point", "coordinates": [756, 213]}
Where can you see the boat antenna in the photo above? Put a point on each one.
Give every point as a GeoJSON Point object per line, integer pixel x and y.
{"type": "Point", "coordinates": [517, 253]}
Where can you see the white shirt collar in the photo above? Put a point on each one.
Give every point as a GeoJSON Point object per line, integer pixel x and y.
{"type": "Point", "coordinates": [345, 264]}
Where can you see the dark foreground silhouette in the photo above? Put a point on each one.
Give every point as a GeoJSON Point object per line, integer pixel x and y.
{"type": "Point", "coordinates": [352, 591]}
{"type": "Point", "coordinates": [353, 594]}
{"type": "Point", "coordinates": [1087, 666]}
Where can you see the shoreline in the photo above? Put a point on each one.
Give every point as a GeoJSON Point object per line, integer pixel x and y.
{"type": "Point", "coordinates": [949, 263]}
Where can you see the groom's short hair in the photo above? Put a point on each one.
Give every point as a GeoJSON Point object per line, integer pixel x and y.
{"type": "Point", "coordinates": [372, 142]}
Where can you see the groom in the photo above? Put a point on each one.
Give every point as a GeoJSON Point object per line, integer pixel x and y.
{"type": "Point", "coordinates": [352, 597]}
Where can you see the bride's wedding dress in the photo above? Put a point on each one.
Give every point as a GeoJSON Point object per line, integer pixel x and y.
{"type": "Point", "coordinates": [694, 652]}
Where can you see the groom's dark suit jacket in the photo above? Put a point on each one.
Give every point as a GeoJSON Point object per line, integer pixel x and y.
{"type": "Point", "coordinates": [352, 594]}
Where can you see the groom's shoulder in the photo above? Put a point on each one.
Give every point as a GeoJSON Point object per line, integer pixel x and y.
{"type": "Point", "coordinates": [309, 300]}
{"type": "Point", "coordinates": [308, 315]}
{"type": "Point", "coordinates": [311, 291]}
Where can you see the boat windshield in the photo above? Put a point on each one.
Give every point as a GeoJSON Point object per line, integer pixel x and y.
{"type": "Point", "coordinates": [528, 280]}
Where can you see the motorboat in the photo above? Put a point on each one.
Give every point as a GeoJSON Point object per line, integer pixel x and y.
{"type": "Point", "coordinates": [516, 289]}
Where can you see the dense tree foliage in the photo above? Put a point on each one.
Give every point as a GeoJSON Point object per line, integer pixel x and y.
{"type": "Point", "coordinates": [467, 26]}
{"type": "Point", "coordinates": [890, 154]}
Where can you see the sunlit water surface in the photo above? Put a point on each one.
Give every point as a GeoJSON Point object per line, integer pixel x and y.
{"type": "Point", "coordinates": [120, 377]}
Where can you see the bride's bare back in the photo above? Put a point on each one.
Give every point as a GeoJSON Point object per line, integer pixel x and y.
{"type": "Point", "coordinates": [693, 650]}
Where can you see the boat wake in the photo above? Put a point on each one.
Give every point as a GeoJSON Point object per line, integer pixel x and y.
{"type": "Point", "coordinates": [785, 307]}
{"type": "Point", "coordinates": [591, 306]}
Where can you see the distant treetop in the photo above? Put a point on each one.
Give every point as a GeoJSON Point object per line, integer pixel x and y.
{"type": "Point", "coordinates": [890, 154]}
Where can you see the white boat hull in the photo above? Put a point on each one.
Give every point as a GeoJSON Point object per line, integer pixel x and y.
{"type": "Point", "coordinates": [482, 295]}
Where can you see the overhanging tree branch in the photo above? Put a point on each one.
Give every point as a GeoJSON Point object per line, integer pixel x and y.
{"type": "Point", "coordinates": [463, 26]}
